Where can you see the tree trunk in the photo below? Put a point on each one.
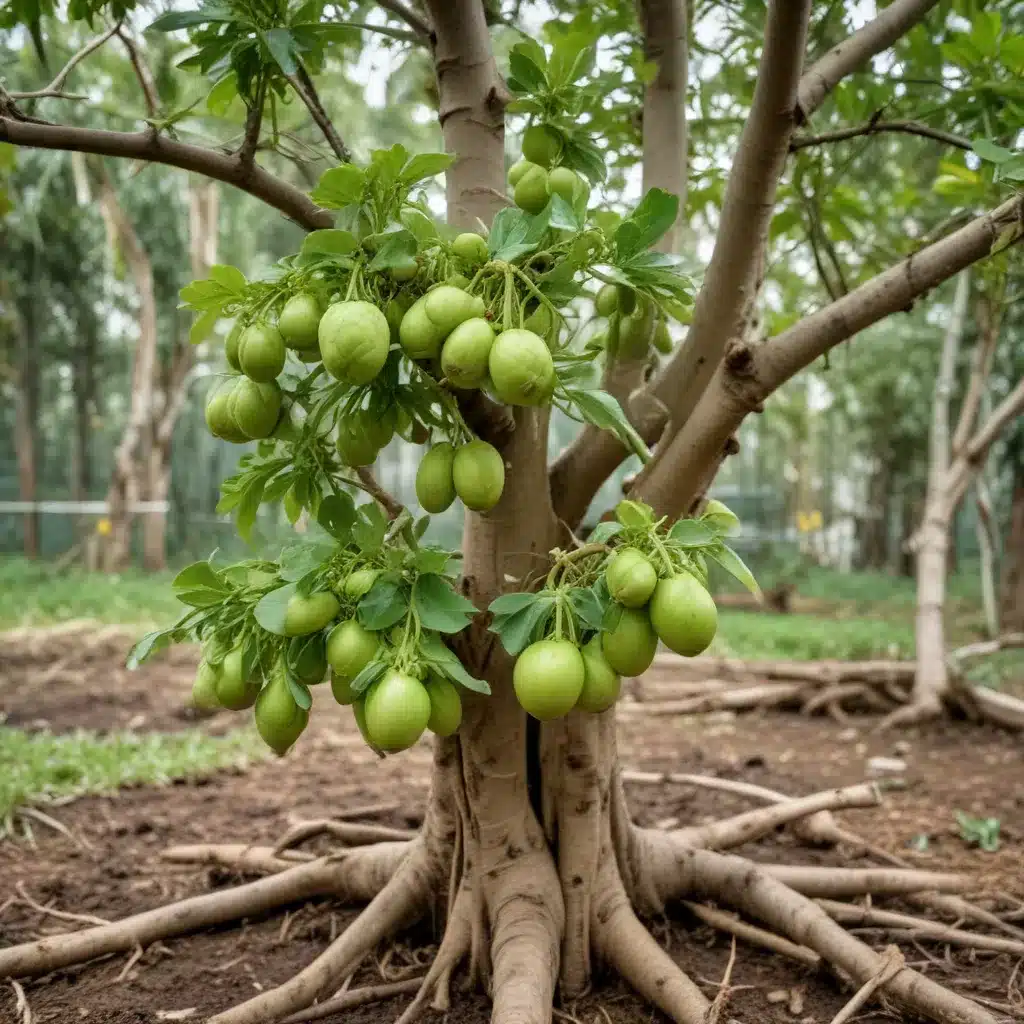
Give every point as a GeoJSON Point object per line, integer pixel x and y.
{"type": "Point", "coordinates": [83, 387]}
{"type": "Point", "coordinates": [873, 526]}
{"type": "Point", "coordinates": [26, 426]}
{"type": "Point", "coordinates": [1012, 585]}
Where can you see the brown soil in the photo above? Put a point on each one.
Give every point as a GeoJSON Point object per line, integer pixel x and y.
{"type": "Point", "coordinates": [949, 766]}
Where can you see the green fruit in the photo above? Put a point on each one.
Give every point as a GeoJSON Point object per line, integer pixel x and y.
{"type": "Point", "coordinates": [517, 170]}
{"type": "Point", "coordinates": [445, 706]}
{"type": "Point", "coordinates": [684, 615]}
{"type": "Point", "coordinates": [310, 665]}
{"type": "Point", "coordinates": [231, 346]}
{"type": "Point", "coordinates": [419, 336]}
{"type": "Point", "coordinates": [359, 583]}
{"type": "Point", "coordinates": [341, 690]}
{"type": "Point", "coordinates": [563, 182]}
{"type": "Point", "coordinates": [397, 711]}
{"type": "Point", "coordinates": [204, 688]}
{"type": "Point", "coordinates": [630, 577]}
{"type": "Point", "coordinates": [629, 648]}
{"type": "Point", "coordinates": [354, 341]}
{"type": "Point", "coordinates": [478, 471]}
{"type": "Point", "coordinates": [350, 648]}
{"type": "Point", "coordinates": [359, 712]}
{"type": "Point", "coordinates": [720, 516]}
{"type": "Point", "coordinates": [309, 355]}
{"type": "Point", "coordinates": [636, 331]}
{"type": "Point", "coordinates": [233, 689]}
{"type": "Point", "coordinates": [471, 247]}
{"type": "Point", "coordinates": [261, 352]}
{"type": "Point", "coordinates": [299, 321]}
{"type": "Point", "coordinates": [457, 281]}
{"type": "Point", "coordinates": [541, 145]}
{"type": "Point", "coordinates": [448, 306]}
{"type": "Point", "coordinates": [405, 271]}
{"type": "Point", "coordinates": [465, 353]}
{"type": "Point", "coordinates": [279, 720]}
{"type": "Point", "coordinates": [255, 408]}
{"type": "Point", "coordinates": [548, 678]}
{"type": "Point", "coordinates": [304, 615]}
{"type": "Point", "coordinates": [607, 301]}
{"type": "Point", "coordinates": [378, 425]}
{"type": "Point", "coordinates": [521, 368]}
{"type": "Point", "coordinates": [531, 192]}
{"type": "Point", "coordinates": [627, 300]}
{"type": "Point", "coordinates": [355, 448]}
{"type": "Point", "coordinates": [435, 481]}
{"type": "Point", "coordinates": [218, 412]}
{"type": "Point", "coordinates": [662, 339]}
{"type": "Point", "coordinates": [393, 313]}
{"type": "Point", "coordinates": [601, 683]}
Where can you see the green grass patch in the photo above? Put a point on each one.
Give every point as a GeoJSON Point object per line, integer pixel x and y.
{"type": "Point", "coordinates": [40, 767]}
{"type": "Point", "coordinates": [32, 594]}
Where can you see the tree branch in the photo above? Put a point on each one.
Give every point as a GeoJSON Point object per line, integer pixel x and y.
{"type": "Point", "coordinates": [981, 366]}
{"type": "Point", "coordinates": [303, 85]}
{"type": "Point", "coordinates": [1009, 408]}
{"type": "Point", "coordinates": [142, 72]}
{"type": "Point", "coordinates": [55, 88]}
{"type": "Point", "coordinates": [157, 149]}
{"type": "Point", "coordinates": [253, 122]}
{"type": "Point", "coordinates": [368, 482]}
{"type": "Point", "coordinates": [748, 376]}
{"type": "Point", "coordinates": [856, 50]}
{"type": "Point", "coordinates": [415, 21]}
{"type": "Point", "coordinates": [875, 127]}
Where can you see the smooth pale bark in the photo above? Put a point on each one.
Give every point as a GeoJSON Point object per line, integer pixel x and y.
{"type": "Point", "coordinates": [985, 532]}
{"type": "Point", "coordinates": [1012, 584]}
{"type": "Point", "coordinates": [26, 414]}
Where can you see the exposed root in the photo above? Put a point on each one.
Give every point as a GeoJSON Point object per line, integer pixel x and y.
{"type": "Point", "coordinates": [405, 897]}
{"type": "Point", "coordinates": [744, 698]}
{"type": "Point", "coordinates": [892, 963]}
{"type": "Point", "coordinates": [755, 936]}
{"type": "Point", "coordinates": [833, 882]}
{"type": "Point", "coordinates": [349, 834]}
{"type": "Point", "coordinates": [717, 1008]}
{"type": "Point", "coordinates": [240, 857]}
{"type": "Point", "coordinates": [960, 910]}
{"type": "Point", "coordinates": [61, 915]}
{"type": "Point", "coordinates": [910, 714]}
{"type": "Point", "coordinates": [353, 998]}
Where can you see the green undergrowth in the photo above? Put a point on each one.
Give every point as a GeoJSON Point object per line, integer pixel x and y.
{"type": "Point", "coordinates": [37, 768]}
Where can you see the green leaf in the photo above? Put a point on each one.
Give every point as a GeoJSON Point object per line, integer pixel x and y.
{"type": "Point", "coordinates": [331, 241]}
{"type": "Point", "coordinates": [300, 692]}
{"type": "Point", "coordinates": [509, 604]}
{"type": "Point", "coordinates": [248, 506]}
{"type": "Point", "coordinates": [587, 606]}
{"type": "Point", "coordinates": [562, 215]}
{"type": "Point", "coordinates": [442, 659]}
{"type": "Point", "coordinates": [419, 224]}
{"type": "Point", "coordinates": [991, 152]}
{"type": "Point", "coordinates": [516, 630]}
{"type": "Point", "coordinates": [149, 645]}
{"type": "Point", "coordinates": [524, 69]}
{"type": "Point", "coordinates": [603, 411]}
{"type": "Point", "coordinates": [299, 560]}
{"type": "Point", "coordinates": [691, 533]}
{"type": "Point", "coordinates": [386, 165]}
{"type": "Point", "coordinates": [231, 279]}
{"type": "Point", "coordinates": [634, 515]}
{"type": "Point", "coordinates": [647, 223]}
{"type": "Point", "coordinates": [369, 675]}
{"type": "Point", "coordinates": [199, 576]}
{"type": "Point", "coordinates": [398, 249]}
{"type": "Point", "coordinates": [734, 565]}
{"type": "Point", "coordinates": [604, 531]}
{"type": "Point", "coordinates": [370, 528]}
{"type": "Point", "coordinates": [439, 607]}
{"type": "Point", "coordinates": [514, 232]}
{"type": "Point", "coordinates": [385, 604]}
{"type": "Point", "coordinates": [174, 20]}
{"type": "Point", "coordinates": [337, 515]}
{"type": "Point", "coordinates": [271, 608]}
{"type": "Point", "coordinates": [203, 326]}
{"type": "Point", "coordinates": [431, 560]}
{"type": "Point", "coordinates": [281, 45]}
{"type": "Point", "coordinates": [339, 187]}
{"type": "Point", "coordinates": [292, 506]}
{"type": "Point", "coordinates": [982, 831]}
{"type": "Point", "coordinates": [222, 95]}
{"type": "Point", "coordinates": [425, 165]}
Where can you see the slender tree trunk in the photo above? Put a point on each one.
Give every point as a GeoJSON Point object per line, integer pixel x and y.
{"type": "Point", "coordinates": [985, 532]}
{"type": "Point", "coordinates": [872, 527]}
{"type": "Point", "coordinates": [83, 387]}
{"type": "Point", "coordinates": [1012, 584]}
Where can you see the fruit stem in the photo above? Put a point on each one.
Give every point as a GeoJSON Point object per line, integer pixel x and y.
{"type": "Point", "coordinates": [507, 312]}
{"type": "Point", "coordinates": [663, 552]}
{"type": "Point", "coordinates": [352, 282]}
{"type": "Point", "coordinates": [538, 294]}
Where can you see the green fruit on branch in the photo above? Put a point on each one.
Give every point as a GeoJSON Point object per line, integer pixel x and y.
{"type": "Point", "coordinates": [564, 182]}
{"type": "Point", "coordinates": [684, 615]}
{"type": "Point", "coordinates": [397, 711]}
{"type": "Point", "coordinates": [393, 313]}
{"type": "Point", "coordinates": [304, 615]}
{"type": "Point", "coordinates": [255, 407]}
{"type": "Point", "coordinates": [720, 516]}
{"type": "Point", "coordinates": [261, 352]}
{"type": "Point", "coordinates": [517, 170]}
{"type": "Point", "coordinates": [359, 712]}
{"type": "Point", "coordinates": [630, 647]}
{"type": "Point", "coordinates": [378, 425]}
{"type": "Point", "coordinates": [354, 341]}
{"type": "Point", "coordinates": [231, 345]}
{"type": "Point", "coordinates": [448, 306]}
{"type": "Point", "coordinates": [607, 301]}
{"type": "Point", "coordinates": [355, 448]}
{"type": "Point", "coordinates": [435, 479]}
{"type": "Point", "coordinates": [445, 706]}
{"type": "Point", "coordinates": [234, 690]}
{"type": "Point", "coordinates": [465, 353]}
{"type": "Point", "coordinates": [279, 720]}
{"type": "Point", "coordinates": [662, 339]}
{"type": "Point", "coordinates": [521, 368]}
{"type": "Point", "coordinates": [204, 687]}
{"type": "Point", "coordinates": [310, 666]}
{"type": "Point", "coordinates": [541, 145]}
{"type": "Point", "coordinates": [630, 577]}
{"type": "Point", "coordinates": [359, 583]}
{"type": "Point", "coordinates": [457, 281]}
{"type": "Point", "coordinates": [601, 683]}
{"type": "Point", "coordinates": [419, 336]}
{"type": "Point", "coordinates": [350, 648]}
{"type": "Point", "coordinates": [218, 412]}
{"type": "Point", "coordinates": [531, 191]}
{"type": "Point", "coordinates": [478, 471]}
{"type": "Point", "coordinates": [299, 321]}
{"type": "Point", "coordinates": [548, 678]}
{"type": "Point", "coordinates": [404, 271]}
{"type": "Point", "coordinates": [636, 331]}
{"type": "Point", "coordinates": [471, 247]}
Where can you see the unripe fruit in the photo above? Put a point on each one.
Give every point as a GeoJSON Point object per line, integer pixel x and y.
{"type": "Point", "coordinates": [627, 300]}
{"type": "Point", "coordinates": [541, 145]}
{"type": "Point", "coordinates": [601, 684]}
{"type": "Point", "coordinates": [350, 648]}
{"type": "Point", "coordinates": [517, 170]}
{"type": "Point", "coordinates": [378, 426]}
{"type": "Point", "coordinates": [355, 448]}
{"type": "Point", "coordinates": [435, 480]}
{"type": "Point", "coordinates": [218, 412]}
{"type": "Point", "coordinates": [261, 352]}
{"type": "Point", "coordinates": [231, 345]}
{"type": "Point", "coordinates": [630, 647]}
{"type": "Point", "coordinates": [448, 306]}
{"type": "Point", "coordinates": [204, 688]}
{"type": "Point", "coordinates": [299, 321]}
{"type": "Point", "coordinates": [393, 313]}
{"type": "Point", "coordinates": [279, 720]}
{"type": "Point", "coordinates": [359, 583]}
{"type": "Point", "coordinates": [233, 690]}
{"type": "Point", "coordinates": [548, 678]}
{"type": "Point", "coordinates": [420, 337]}
{"type": "Point", "coordinates": [445, 706]}
{"type": "Point", "coordinates": [563, 182]}
{"type": "Point", "coordinates": [662, 339]}
{"type": "Point", "coordinates": [304, 615]}
{"type": "Point", "coordinates": [531, 193]}
{"type": "Point", "coordinates": [521, 368]}
{"type": "Point", "coordinates": [478, 472]}
{"type": "Point", "coordinates": [405, 271]}
{"type": "Point", "coordinates": [636, 331]}
{"type": "Point", "coordinates": [607, 301]}
{"type": "Point", "coordinates": [354, 341]}
{"type": "Point", "coordinates": [471, 247]}
{"type": "Point", "coordinates": [684, 615]}
{"type": "Point", "coordinates": [630, 577]}
{"type": "Point", "coordinates": [397, 711]}
{"type": "Point", "coordinates": [465, 353]}
{"type": "Point", "coordinates": [359, 713]}
{"type": "Point", "coordinates": [311, 665]}
{"type": "Point", "coordinates": [255, 407]}
{"type": "Point", "coordinates": [457, 281]}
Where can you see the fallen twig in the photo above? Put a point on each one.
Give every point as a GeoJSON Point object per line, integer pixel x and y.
{"type": "Point", "coordinates": [63, 915]}
{"type": "Point", "coordinates": [353, 998]}
{"type": "Point", "coordinates": [892, 963]}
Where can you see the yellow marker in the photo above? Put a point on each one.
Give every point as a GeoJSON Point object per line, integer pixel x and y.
{"type": "Point", "coordinates": [103, 527]}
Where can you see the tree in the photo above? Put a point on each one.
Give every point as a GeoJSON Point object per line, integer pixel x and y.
{"type": "Point", "coordinates": [528, 851]}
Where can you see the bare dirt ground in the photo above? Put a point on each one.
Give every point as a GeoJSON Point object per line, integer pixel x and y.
{"type": "Point", "coordinates": [113, 869]}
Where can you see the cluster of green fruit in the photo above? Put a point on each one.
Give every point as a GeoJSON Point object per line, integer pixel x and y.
{"type": "Point", "coordinates": [535, 178]}
{"type": "Point", "coordinates": [554, 676]}
{"type": "Point", "coordinates": [635, 324]}
{"type": "Point", "coordinates": [391, 714]}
